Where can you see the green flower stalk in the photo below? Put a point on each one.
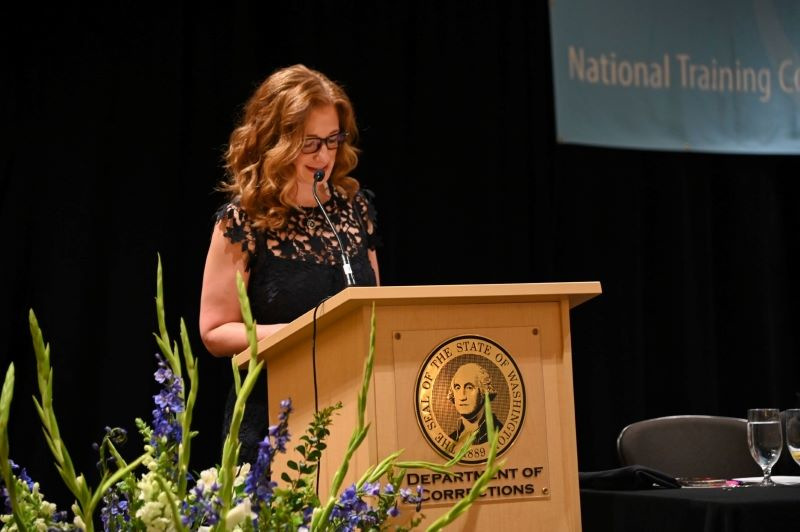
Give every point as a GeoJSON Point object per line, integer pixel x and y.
{"type": "Point", "coordinates": [173, 504]}
{"type": "Point", "coordinates": [173, 357]}
{"type": "Point", "coordinates": [86, 499]}
{"type": "Point", "coordinates": [230, 449]}
{"type": "Point", "coordinates": [492, 467]}
{"type": "Point", "coordinates": [323, 515]}
{"type": "Point", "coordinates": [75, 483]}
{"type": "Point", "coordinates": [5, 465]}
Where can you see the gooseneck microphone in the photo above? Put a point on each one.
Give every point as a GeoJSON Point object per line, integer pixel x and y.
{"type": "Point", "coordinates": [319, 175]}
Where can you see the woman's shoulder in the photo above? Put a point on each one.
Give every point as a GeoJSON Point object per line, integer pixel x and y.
{"type": "Point", "coordinates": [364, 203]}
{"type": "Point", "coordinates": [236, 225]}
{"type": "Point", "coordinates": [229, 210]}
{"type": "Point", "coordinates": [232, 215]}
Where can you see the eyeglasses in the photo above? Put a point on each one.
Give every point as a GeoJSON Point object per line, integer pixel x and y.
{"type": "Point", "coordinates": [314, 144]}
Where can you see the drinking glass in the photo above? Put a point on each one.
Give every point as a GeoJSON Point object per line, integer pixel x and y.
{"type": "Point", "coordinates": [765, 439]}
{"type": "Point", "coordinates": [792, 418]}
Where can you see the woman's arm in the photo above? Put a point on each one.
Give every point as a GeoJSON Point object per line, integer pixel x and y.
{"type": "Point", "coordinates": [373, 260]}
{"type": "Point", "coordinates": [221, 327]}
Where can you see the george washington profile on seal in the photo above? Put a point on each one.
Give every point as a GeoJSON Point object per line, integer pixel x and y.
{"type": "Point", "coordinates": [469, 388]}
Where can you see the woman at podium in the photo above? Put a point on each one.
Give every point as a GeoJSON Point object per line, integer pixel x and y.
{"type": "Point", "coordinates": [297, 225]}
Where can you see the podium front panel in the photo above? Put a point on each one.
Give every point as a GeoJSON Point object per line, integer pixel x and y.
{"type": "Point", "coordinates": [528, 343]}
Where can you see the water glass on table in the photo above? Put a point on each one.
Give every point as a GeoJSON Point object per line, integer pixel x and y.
{"type": "Point", "coordinates": [792, 419]}
{"type": "Point", "coordinates": [765, 439]}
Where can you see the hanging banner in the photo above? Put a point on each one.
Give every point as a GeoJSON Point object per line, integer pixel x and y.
{"type": "Point", "coordinates": [711, 76]}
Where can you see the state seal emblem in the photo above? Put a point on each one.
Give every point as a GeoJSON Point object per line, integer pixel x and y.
{"type": "Point", "coordinates": [450, 391]}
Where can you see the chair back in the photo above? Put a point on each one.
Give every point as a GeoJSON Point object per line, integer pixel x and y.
{"type": "Point", "coordinates": [689, 446]}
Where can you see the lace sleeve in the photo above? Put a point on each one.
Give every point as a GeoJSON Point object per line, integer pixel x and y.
{"type": "Point", "coordinates": [365, 208]}
{"type": "Point", "coordinates": [237, 228]}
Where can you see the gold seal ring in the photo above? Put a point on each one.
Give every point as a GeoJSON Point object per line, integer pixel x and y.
{"type": "Point", "coordinates": [450, 391]}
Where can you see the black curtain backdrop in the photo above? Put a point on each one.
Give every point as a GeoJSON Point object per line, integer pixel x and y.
{"type": "Point", "coordinates": [114, 124]}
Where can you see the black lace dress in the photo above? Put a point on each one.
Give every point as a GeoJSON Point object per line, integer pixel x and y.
{"type": "Point", "coordinates": [291, 271]}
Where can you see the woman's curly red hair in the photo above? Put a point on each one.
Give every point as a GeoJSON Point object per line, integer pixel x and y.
{"type": "Point", "coordinates": [263, 147]}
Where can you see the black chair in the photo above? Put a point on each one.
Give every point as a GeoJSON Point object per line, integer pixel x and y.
{"type": "Point", "coordinates": [689, 446]}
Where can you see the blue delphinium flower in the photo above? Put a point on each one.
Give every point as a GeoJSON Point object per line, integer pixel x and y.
{"type": "Point", "coordinates": [410, 498]}
{"type": "Point", "coordinates": [308, 513]}
{"type": "Point", "coordinates": [259, 484]}
{"type": "Point", "coordinates": [281, 431]}
{"type": "Point", "coordinates": [202, 508]}
{"type": "Point", "coordinates": [392, 511]}
{"type": "Point", "coordinates": [169, 403]}
{"type": "Point", "coordinates": [114, 514]}
{"type": "Point", "coordinates": [371, 489]}
{"type": "Point", "coordinates": [351, 512]}
{"type": "Point", "coordinates": [21, 473]}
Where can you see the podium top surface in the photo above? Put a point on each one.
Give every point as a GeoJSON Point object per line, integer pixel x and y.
{"type": "Point", "coordinates": [352, 297]}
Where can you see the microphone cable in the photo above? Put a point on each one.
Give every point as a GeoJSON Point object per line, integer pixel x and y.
{"type": "Point", "coordinates": [314, 351]}
{"type": "Point", "coordinates": [314, 370]}
{"type": "Point", "coordinates": [319, 175]}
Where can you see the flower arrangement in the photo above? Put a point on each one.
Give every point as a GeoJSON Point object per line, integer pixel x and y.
{"type": "Point", "coordinates": [157, 491]}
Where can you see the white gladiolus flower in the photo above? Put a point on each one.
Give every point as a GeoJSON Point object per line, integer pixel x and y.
{"type": "Point", "coordinates": [209, 476]}
{"type": "Point", "coordinates": [48, 507]}
{"type": "Point", "coordinates": [237, 514]}
{"type": "Point", "coordinates": [78, 522]}
{"type": "Point", "coordinates": [149, 487]}
{"type": "Point", "coordinates": [153, 515]}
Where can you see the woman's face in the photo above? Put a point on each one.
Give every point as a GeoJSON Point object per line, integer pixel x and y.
{"type": "Point", "coordinates": [323, 122]}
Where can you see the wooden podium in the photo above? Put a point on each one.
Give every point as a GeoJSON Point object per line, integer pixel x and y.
{"type": "Point", "coordinates": [517, 336]}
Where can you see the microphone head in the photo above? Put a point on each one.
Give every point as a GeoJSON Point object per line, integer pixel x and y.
{"type": "Point", "coordinates": [319, 175]}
